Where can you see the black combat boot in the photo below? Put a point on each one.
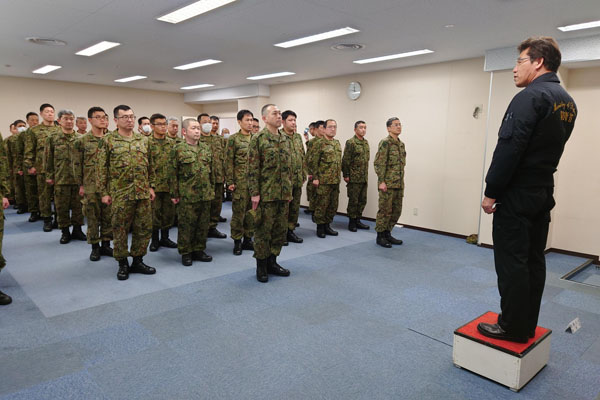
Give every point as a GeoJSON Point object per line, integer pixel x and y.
{"type": "Point", "coordinates": [261, 270]}
{"type": "Point", "coordinates": [186, 259]}
{"type": "Point", "coordinates": [321, 230]}
{"type": "Point", "coordinates": [329, 231]}
{"type": "Point", "coordinates": [165, 241]}
{"type": "Point", "coordinates": [123, 273]}
{"type": "Point", "coordinates": [214, 233]}
{"type": "Point", "coordinates": [35, 216]}
{"type": "Point", "coordinates": [307, 211]}
{"type": "Point", "coordinates": [47, 224]}
{"type": "Point", "coordinates": [391, 239]}
{"type": "Point", "coordinates": [66, 236]}
{"type": "Point", "coordinates": [247, 243]}
{"type": "Point", "coordinates": [292, 237]}
{"type": "Point", "coordinates": [95, 254]}
{"type": "Point", "coordinates": [54, 222]}
{"type": "Point", "coordinates": [105, 249]}
{"type": "Point", "coordinates": [222, 219]}
{"type": "Point", "coordinates": [360, 225]}
{"type": "Point", "coordinates": [5, 299]}
{"type": "Point", "coordinates": [237, 247]}
{"type": "Point", "coordinates": [155, 242]}
{"type": "Point", "coordinates": [275, 269]}
{"type": "Point", "coordinates": [352, 224]}
{"type": "Point", "coordinates": [78, 233]}
{"type": "Point", "coordinates": [22, 210]}
{"type": "Point", "coordinates": [382, 240]}
{"type": "Point", "coordinates": [201, 256]}
{"type": "Point", "coordinates": [138, 267]}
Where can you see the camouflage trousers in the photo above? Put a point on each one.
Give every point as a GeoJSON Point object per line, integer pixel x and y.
{"type": "Point", "coordinates": [271, 228]}
{"type": "Point", "coordinates": [390, 209]}
{"type": "Point", "coordinates": [66, 198]}
{"type": "Point", "coordinates": [216, 204]}
{"type": "Point", "coordinates": [44, 196]}
{"type": "Point", "coordinates": [19, 182]}
{"type": "Point", "coordinates": [163, 211]}
{"type": "Point", "coordinates": [326, 203]}
{"type": "Point", "coordinates": [138, 215]}
{"type": "Point", "coordinates": [11, 187]}
{"type": "Point", "coordinates": [310, 195]}
{"type": "Point", "coordinates": [294, 207]}
{"type": "Point", "coordinates": [357, 199]}
{"type": "Point", "coordinates": [2, 260]}
{"type": "Point", "coordinates": [193, 226]}
{"type": "Point", "coordinates": [98, 218]}
{"type": "Point", "coordinates": [242, 219]}
{"type": "Point", "coordinates": [31, 193]}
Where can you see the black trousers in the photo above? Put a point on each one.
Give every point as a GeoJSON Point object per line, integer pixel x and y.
{"type": "Point", "coordinates": [520, 231]}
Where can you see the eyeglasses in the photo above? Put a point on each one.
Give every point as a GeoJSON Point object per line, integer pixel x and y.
{"type": "Point", "coordinates": [521, 60]}
{"type": "Point", "coordinates": [127, 117]}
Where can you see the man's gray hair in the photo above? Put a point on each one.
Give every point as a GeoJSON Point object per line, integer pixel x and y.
{"type": "Point", "coordinates": [172, 119]}
{"type": "Point", "coordinates": [65, 112]}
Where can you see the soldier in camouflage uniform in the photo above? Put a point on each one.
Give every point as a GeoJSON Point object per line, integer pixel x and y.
{"type": "Point", "coordinates": [355, 170]}
{"type": "Point", "coordinates": [144, 126]}
{"type": "Point", "coordinates": [163, 209]}
{"type": "Point", "coordinates": [9, 165]}
{"type": "Point", "coordinates": [33, 161]}
{"type": "Point", "coordinates": [173, 129]}
{"type": "Point", "coordinates": [311, 190]}
{"type": "Point", "coordinates": [86, 170]}
{"type": "Point", "coordinates": [236, 176]}
{"type": "Point", "coordinates": [270, 184]}
{"type": "Point", "coordinates": [14, 153]}
{"type": "Point", "coordinates": [326, 167]}
{"type": "Point", "coordinates": [299, 170]}
{"type": "Point", "coordinates": [127, 182]}
{"type": "Point", "coordinates": [217, 205]}
{"type": "Point", "coordinates": [389, 167]}
{"type": "Point", "coordinates": [58, 167]}
{"type": "Point", "coordinates": [4, 298]}
{"type": "Point", "coordinates": [29, 181]}
{"type": "Point", "coordinates": [191, 187]}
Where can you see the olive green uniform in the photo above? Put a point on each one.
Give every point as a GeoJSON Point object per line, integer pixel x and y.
{"type": "Point", "coordinates": [4, 188]}
{"type": "Point", "coordinates": [311, 191]}
{"type": "Point", "coordinates": [14, 153]}
{"type": "Point", "coordinates": [163, 209]}
{"type": "Point", "coordinates": [218, 169]}
{"type": "Point", "coordinates": [389, 167]}
{"type": "Point", "coordinates": [33, 156]}
{"type": "Point", "coordinates": [236, 173]}
{"type": "Point", "coordinates": [355, 167]}
{"type": "Point", "coordinates": [29, 181]}
{"type": "Point", "coordinates": [326, 167]}
{"type": "Point", "coordinates": [299, 176]}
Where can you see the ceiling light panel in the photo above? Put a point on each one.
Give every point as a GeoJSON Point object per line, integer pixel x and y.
{"type": "Point", "coordinates": [193, 10]}
{"type": "Point", "coordinates": [268, 76]}
{"type": "Point", "coordinates": [576, 27]}
{"type": "Point", "coordinates": [131, 78]}
{"type": "Point", "coordinates": [201, 86]}
{"type": "Point", "coordinates": [197, 64]}
{"type": "Point", "coordinates": [46, 69]}
{"type": "Point", "coordinates": [97, 48]}
{"type": "Point", "coordinates": [318, 37]}
{"type": "Point", "coordinates": [393, 56]}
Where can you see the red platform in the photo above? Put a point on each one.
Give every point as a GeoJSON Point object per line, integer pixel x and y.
{"type": "Point", "coordinates": [469, 330]}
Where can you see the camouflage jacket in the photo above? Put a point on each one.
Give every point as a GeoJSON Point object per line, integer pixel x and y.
{"type": "Point", "coordinates": [355, 163]}
{"type": "Point", "coordinates": [160, 151]}
{"type": "Point", "coordinates": [218, 156]}
{"type": "Point", "coordinates": [4, 186]}
{"type": "Point", "coordinates": [310, 152]}
{"type": "Point", "coordinates": [389, 163]}
{"type": "Point", "coordinates": [86, 167]}
{"type": "Point", "coordinates": [126, 167]}
{"type": "Point", "coordinates": [270, 166]}
{"type": "Point", "coordinates": [20, 150]}
{"type": "Point", "coordinates": [176, 139]}
{"type": "Point", "coordinates": [326, 161]}
{"type": "Point", "coordinates": [13, 148]}
{"type": "Point", "coordinates": [298, 166]}
{"type": "Point", "coordinates": [190, 172]}
{"type": "Point", "coordinates": [236, 160]}
{"type": "Point", "coordinates": [59, 158]}
{"type": "Point", "coordinates": [35, 143]}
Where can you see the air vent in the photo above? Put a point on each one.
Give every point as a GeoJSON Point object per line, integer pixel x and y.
{"type": "Point", "coordinates": [46, 41]}
{"type": "Point", "coordinates": [348, 47]}
{"type": "Point", "coordinates": [159, 82]}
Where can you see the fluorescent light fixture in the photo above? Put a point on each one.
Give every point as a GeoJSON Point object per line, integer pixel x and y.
{"type": "Point", "coordinates": [393, 56]}
{"type": "Point", "coordinates": [315, 38]}
{"type": "Point", "coordinates": [46, 69]}
{"type": "Point", "coordinates": [131, 78]}
{"type": "Point", "coordinates": [275, 75]}
{"type": "Point", "coordinates": [576, 27]}
{"type": "Point", "coordinates": [201, 86]}
{"type": "Point", "coordinates": [193, 10]}
{"type": "Point", "coordinates": [197, 64]}
{"type": "Point", "coordinates": [97, 48]}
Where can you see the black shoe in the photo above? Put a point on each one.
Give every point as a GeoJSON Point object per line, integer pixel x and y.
{"type": "Point", "coordinates": [237, 247]}
{"type": "Point", "coordinates": [221, 219]}
{"type": "Point", "coordinates": [360, 225]}
{"type": "Point", "coordinates": [391, 239]}
{"type": "Point", "coordinates": [285, 243]}
{"type": "Point", "coordinates": [186, 259]}
{"type": "Point", "coordinates": [47, 224]}
{"type": "Point", "coordinates": [105, 249]}
{"type": "Point", "coordinates": [329, 231]}
{"type": "Point", "coordinates": [66, 236]}
{"type": "Point", "coordinates": [292, 237]}
{"type": "Point", "coordinates": [55, 223]}
{"type": "Point", "coordinates": [78, 233]}
{"type": "Point", "coordinates": [321, 230]}
{"type": "Point", "coordinates": [95, 254]}
{"type": "Point", "coordinates": [297, 224]}
{"type": "Point", "coordinates": [496, 332]}
{"type": "Point", "coordinates": [165, 241]}
{"type": "Point", "coordinates": [261, 270]}
{"type": "Point", "coordinates": [275, 269]}
{"type": "Point", "coordinates": [138, 267]}
{"type": "Point", "coordinates": [201, 256]}
{"type": "Point", "coordinates": [352, 224]}
{"type": "Point", "coordinates": [5, 299]}
{"type": "Point", "coordinates": [21, 210]}
{"type": "Point", "coordinates": [123, 273]}
{"type": "Point", "coordinates": [35, 216]}
{"type": "Point", "coordinates": [307, 211]}
{"type": "Point", "coordinates": [155, 242]}
{"type": "Point", "coordinates": [214, 233]}
{"type": "Point", "coordinates": [382, 240]}
{"type": "Point", "coordinates": [247, 244]}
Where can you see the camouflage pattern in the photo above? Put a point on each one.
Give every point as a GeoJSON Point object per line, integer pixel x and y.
{"type": "Point", "coordinates": [326, 203]}
{"type": "Point", "coordinates": [357, 199]}
{"type": "Point", "coordinates": [294, 208]}
{"type": "Point", "coordinates": [326, 166]}
{"type": "Point", "coordinates": [163, 209]}
{"type": "Point", "coordinates": [4, 189]}
{"type": "Point", "coordinates": [310, 189]}
{"type": "Point", "coordinates": [389, 167]}
{"type": "Point", "coordinates": [29, 181]}
{"type": "Point", "coordinates": [270, 176]}
{"type": "Point", "coordinates": [236, 173]}
{"type": "Point", "coordinates": [193, 226]}
{"type": "Point", "coordinates": [66, 197]}
{"type": "Point", "coordinates": [86, 171]}
{"type": "Point", "coordinates": [218, 169]}
{"type": "Point", "coordinates": [299, 176]}
{"type": "Point", "coordinates": [134, 214]}
{"type": "Point", "coordinates": [355, 166]}
{"type": "Point", "coordinates": [14, 153]}
{"type": "Point", "coordinates": [33, 156]}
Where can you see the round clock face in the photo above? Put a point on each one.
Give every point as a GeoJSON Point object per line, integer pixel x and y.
{"type": "Point", "coordinates": [354, 90]}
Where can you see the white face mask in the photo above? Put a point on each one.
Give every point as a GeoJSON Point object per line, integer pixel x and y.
{"type": "Point", "coordinates": [146, 128]}
{"type": "Point", "coordinates": [207, 127]}
{"type": "Point", "coordinates": [226, 136]}
{"type": "Point", "coordinates": [21, 129]}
